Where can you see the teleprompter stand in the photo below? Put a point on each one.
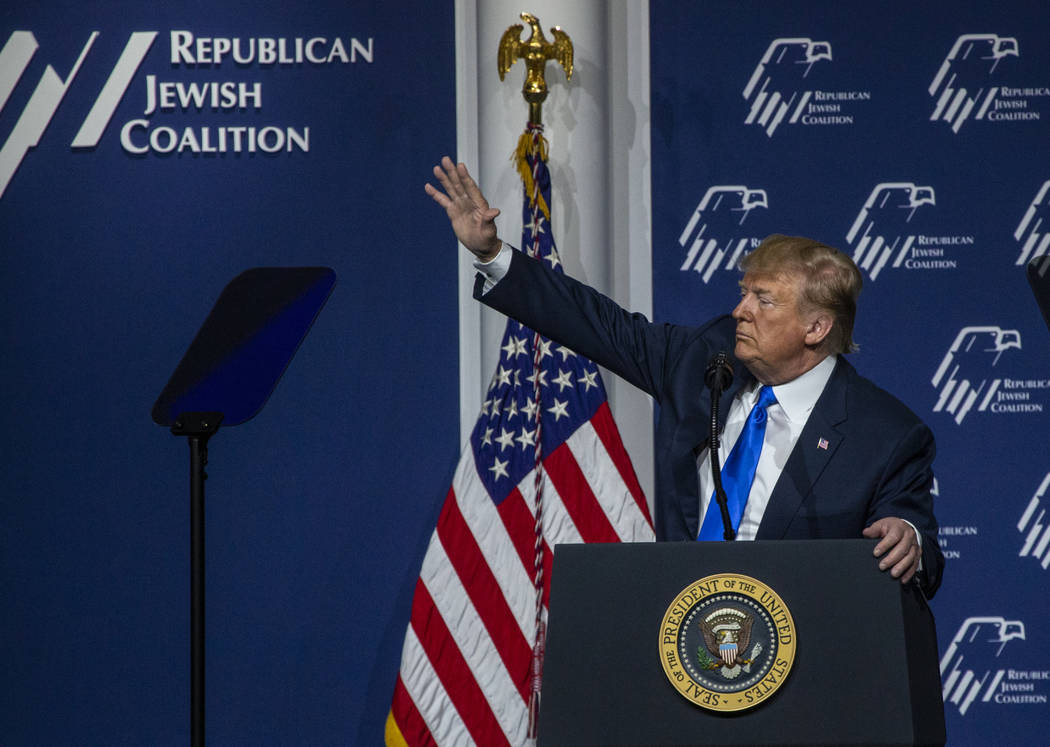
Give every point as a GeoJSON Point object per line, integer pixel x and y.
{"type": "Point", "coordinates": [198, 427]}
{"type": "Point", "coordinates": [865, 672]}
{"type": "Point", "coordinates": [225, 378]}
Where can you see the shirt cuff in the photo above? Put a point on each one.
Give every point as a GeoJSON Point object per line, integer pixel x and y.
{"type": "Point", "coordinates": [496, 268]}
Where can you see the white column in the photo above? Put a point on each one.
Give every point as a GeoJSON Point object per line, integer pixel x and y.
{"type": "Point", "coordinates": [597, 127]}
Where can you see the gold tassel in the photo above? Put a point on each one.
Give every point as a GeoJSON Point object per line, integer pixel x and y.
{"type": "Point", "coordinates": [520, 158]}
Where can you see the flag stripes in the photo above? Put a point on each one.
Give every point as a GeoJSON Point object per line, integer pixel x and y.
{"type": "Point", "coordinates": [466, 673]}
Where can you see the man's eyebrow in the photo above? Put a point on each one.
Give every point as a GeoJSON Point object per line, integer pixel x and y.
{"type": "Point", "coordinates": [758, 290]}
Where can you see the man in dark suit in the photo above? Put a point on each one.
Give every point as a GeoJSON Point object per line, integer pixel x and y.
{"type": "Point", "coordinates": [838, 458]}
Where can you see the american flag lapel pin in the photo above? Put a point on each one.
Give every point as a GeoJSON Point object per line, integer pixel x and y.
{"type": "Point", "coordinates": [822, 444]}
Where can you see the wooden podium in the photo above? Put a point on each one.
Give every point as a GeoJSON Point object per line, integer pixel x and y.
{"type": "Point", "coordinates": [865, 670]}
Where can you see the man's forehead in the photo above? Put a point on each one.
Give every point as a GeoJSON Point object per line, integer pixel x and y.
{"type": "Point", "coordinates": [778, 283]}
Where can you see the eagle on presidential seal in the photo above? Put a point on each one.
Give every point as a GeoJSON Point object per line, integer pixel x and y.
{"type": "Point", "coordinates": [727, 634]}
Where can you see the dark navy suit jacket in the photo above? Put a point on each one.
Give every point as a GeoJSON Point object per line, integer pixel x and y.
{"type": "Point", "coordinates": [862, 456]}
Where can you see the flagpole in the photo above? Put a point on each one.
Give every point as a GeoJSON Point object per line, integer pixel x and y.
{"type": "Point", "coordinates": [533, 136]}
{"type": "Point", "coordinates": [531, 158]}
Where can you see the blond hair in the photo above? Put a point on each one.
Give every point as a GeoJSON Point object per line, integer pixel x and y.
{"type": "Point", "coordinates": [828, 280]}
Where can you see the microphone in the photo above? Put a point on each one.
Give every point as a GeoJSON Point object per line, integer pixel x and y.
{"type": "Point", "coordinates": [718, 376]}
{"type": "Point", "coordinates": [719, 373]}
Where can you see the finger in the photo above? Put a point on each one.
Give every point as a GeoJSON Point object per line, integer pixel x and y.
{"type": "Point", "coordinates": [890, 531]}
{"type": "Point", "coordinates": [889, 540]}
{"type": "Point", "coordinates": [452, 178]}
{"type": "Point", "coordinates": [471, 188]}
{"type": "Point", "coordinates": [910, 573]}
{"type": "Point", "coordinates": [438, 196]}
{"type": "Point", "coordinates": [442, 176]}
{"type": "Point", "coordinates": [906, 568]}
{"type": "Point", "coordinates": [898, 553]}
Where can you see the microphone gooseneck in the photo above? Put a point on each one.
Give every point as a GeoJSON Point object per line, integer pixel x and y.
{"type": "Point", "coordinates": [718, 376]}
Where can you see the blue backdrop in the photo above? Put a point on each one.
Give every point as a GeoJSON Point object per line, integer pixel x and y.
{"type": "Point", "coordinates": [916, 138]}
{"type": "Point", "coordinates": [318, 509]}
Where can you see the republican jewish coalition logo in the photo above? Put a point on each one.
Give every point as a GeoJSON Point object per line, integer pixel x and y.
{"type": "Point", "coordinates": [1034, 526]}
{"type": "Point", "coordinates": [777, 86]}
{"type": "Point", "coordinates": [1033, 232]}
{"type": "Point", "coordinates": [969, 83]}
{"type": "Point", "coordinates": [727, 642]}
{"type": "Point", "coordinates": [205, 98]}
{"type": "Point", "coordinates": [882, 229]}
{"type": "Point", "coordinates": [967, 375]}
{"type": "Point", "coordinates": [714, 233]}
{"type": "Point", "coordinates": [974, 670]}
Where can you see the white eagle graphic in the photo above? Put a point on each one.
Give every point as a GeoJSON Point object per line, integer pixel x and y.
{"type": "Point", "coordinates": [962, 82]}
{"type": "Point", "coordinates": [773, 87]}
{"type": "Point", "coordinates": [714, 228]}
{"type": "Point", "coordinates": [964, 374]}
{"type": "Point", "coordinates": [967, 666]}
{"type": "Point", "coordinates": [881, 229]}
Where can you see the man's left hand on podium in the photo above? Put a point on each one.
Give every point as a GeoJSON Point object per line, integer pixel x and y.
{"type": "Point", "coordinates": [898, 551]}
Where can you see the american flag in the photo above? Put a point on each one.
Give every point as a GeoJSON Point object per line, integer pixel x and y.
{"type": "Point", "coordinates": [470, 660]}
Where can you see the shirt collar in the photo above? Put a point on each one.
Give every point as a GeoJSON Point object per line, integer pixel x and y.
{"type": "Point", "coordinates": [798, 396]}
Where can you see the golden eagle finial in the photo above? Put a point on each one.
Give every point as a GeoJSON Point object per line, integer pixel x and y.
{"type": "Point", "coordinates": [535, 51]}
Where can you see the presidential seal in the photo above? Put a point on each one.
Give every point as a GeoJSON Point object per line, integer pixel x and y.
{"type": "Point", "coordinates": [727, 642]}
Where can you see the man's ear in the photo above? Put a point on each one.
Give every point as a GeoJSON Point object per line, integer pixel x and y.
{"type": "Point", "coordinates": [819, 328]}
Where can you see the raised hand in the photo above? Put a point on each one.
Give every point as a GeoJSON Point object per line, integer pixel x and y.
{"type": "Point", "coordinates": [473, 221]}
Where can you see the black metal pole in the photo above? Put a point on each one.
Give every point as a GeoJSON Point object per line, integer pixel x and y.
{"type": "Point", "coordinates": [198, 427]}
{"type": "Point", "coordinates": [198, 460]}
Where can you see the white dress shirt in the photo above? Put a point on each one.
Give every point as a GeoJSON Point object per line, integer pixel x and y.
{"type": "Point", "coordinates": [786, 419]}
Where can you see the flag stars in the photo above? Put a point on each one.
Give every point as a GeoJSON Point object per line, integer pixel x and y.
{"type": "Point", "coordinates": [505, 439]}
{"type": "Point", "coordinates": [535, 226]}
{"type": "Point", "coordinates": [564, 379]}
{"type": "Point", "coordinates": [527, 438]}
{"type": "Point", "coordinates": [529, 408]}
{"type": "Point", "coordinates": [503, 376]}
{"type": "Point", "coordinates": [542, 374]}
{"type": "Point", "coordinates": [486, 440]}
{"type": "Point", "coordinates": [553, 258]}
{"type": "Point", "coordinates": [545, 349]}
{"type": "Point", "coordinates": [559, 411]}
{"type": "Point", "coordinates": [499, 469]}
{"type": "Point", "coordinates": [515, 346]}
{"type": "Point", "coordinates": [589, 379]}
{"type": "Point", "coordinates": [565, 353]}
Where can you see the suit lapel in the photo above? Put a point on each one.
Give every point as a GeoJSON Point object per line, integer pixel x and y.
{"type": "Point", "coordinates": [815, 447]}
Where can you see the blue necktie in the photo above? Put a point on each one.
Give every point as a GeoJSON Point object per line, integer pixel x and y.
{"type": "Point", "coordinates": [738, 472]}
